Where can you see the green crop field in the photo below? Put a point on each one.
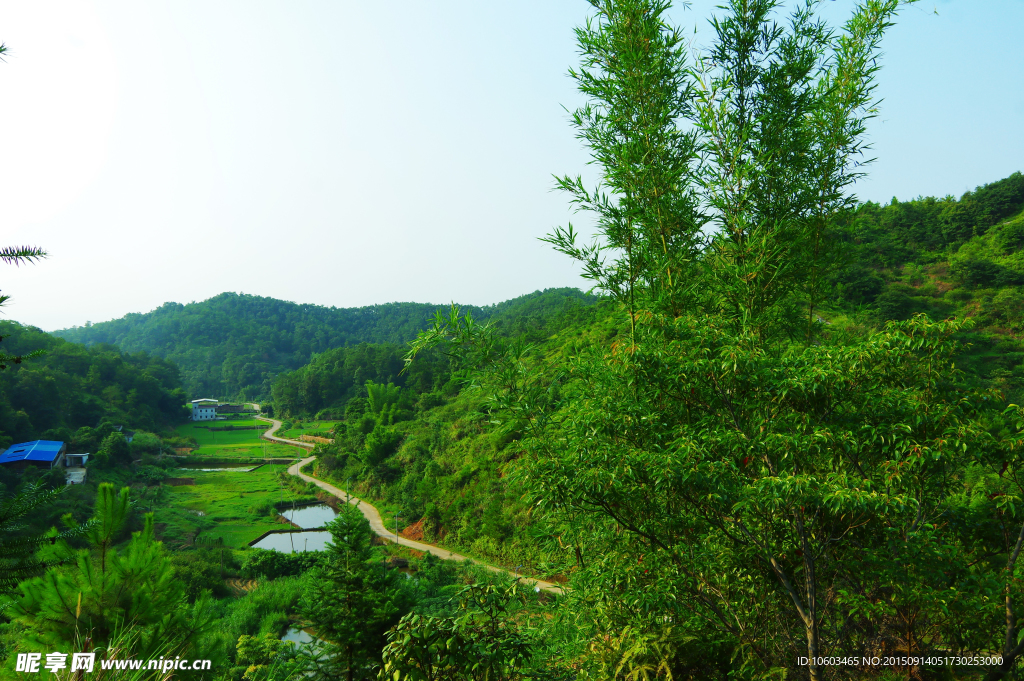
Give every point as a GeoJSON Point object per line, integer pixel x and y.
{"type": "Point", "coordinates": [307, 428]}
{"type": "Point", "coordinates": [233, 444]}
{"type": "Point", "coordinates": [235, 506]}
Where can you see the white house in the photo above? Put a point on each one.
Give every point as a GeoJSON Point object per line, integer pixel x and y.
{"type": "Point", "coordinates": [204, 409]}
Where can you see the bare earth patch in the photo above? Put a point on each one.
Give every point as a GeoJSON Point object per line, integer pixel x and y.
{"type": "Point", "coordinates": [414, 531]}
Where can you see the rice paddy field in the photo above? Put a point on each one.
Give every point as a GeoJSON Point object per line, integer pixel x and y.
{"type": "Point", "coordinates": [321, 428]}
{"type": "Point", "coordinates": [242, 443]}
{"type": "Point", "coordinates": [229, 505]}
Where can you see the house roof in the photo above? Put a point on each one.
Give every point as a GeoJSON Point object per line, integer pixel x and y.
{"type": "Point", "coordinates": [37, 450]}
{"type": "Point", "coordinates": [205, 399]}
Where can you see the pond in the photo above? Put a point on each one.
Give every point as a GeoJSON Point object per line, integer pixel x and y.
{"type": "Point", "coordinates": [238, 468]}
{"type": "Point", "coordinates": [292, 542]}
{"type": "Point", "coordinates": [297, 635]}
{"type": "Point", "coordinates": [310, 517]}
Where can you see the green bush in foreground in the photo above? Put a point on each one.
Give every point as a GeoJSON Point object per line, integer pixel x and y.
{"type": "Point", "coordinates": [737, 485]}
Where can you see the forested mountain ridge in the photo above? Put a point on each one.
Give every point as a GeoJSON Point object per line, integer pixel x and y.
{"type": "Point", "coordinates": [233, 344]}
{"type": "Point", "coordinates": [947, 258]}
{"type": "Point", "coordinates": [929, 228]}
{"type": "Point", "coordinates": [72, 390]}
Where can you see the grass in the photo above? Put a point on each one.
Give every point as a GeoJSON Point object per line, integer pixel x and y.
{"type": "Point", "coordinates": [229, 502]}
{"type": "Point", "coordinates": [233, 444]}
{"type": "Point", "coordinates": [306, 428]}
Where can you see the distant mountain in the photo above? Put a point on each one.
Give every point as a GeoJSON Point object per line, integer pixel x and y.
{"type": "Point", "coordinates": [232, 345]}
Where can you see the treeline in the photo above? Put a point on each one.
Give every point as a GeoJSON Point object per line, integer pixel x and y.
{"type": "Point", "coordinates": [71, 387]}
{"type": "Point", "coordinates": [233, 345]}
{"type": "Point", "coordinates": [944, 258]}
{"type": "Point", "coordinates": [323, 387]}
{"type": "Point", "coordinates": [884, 238]}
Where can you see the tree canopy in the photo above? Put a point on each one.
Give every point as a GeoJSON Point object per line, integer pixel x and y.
{"type": "Point", "coordinates": [233, 345]}
{"type": "Point", "coordinates": [71, 387]}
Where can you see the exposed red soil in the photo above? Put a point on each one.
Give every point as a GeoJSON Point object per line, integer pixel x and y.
{"type": "Point", "coordinates": [414, 531]}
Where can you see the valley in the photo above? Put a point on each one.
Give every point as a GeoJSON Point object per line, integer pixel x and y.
{"type": "Point", "coordinates": [782, 427]}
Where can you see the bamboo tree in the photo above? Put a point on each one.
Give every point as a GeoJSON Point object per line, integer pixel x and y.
{"type": "Point", "coordinates": [737, 474]}
{"type": "Point", "coordinates": [634, 72]}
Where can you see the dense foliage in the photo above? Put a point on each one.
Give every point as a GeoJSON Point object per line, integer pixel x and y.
{"type": "Point", "coordinates": [926, 229]}
{"type": "Point", "coordinates": [753, 451]}
{"type": "Point", "coordinates": [232, 345]}
{"type": "Point", "coordinates": [106, 589]}
{"type": "Point", "coordinates": [324, 387]}
{"type": "Point", "coordinates": [731, 470]}
{"type": "Point", "coordinates": [71, 387]}
{"type": "Point", "coordinates": [906, 258]}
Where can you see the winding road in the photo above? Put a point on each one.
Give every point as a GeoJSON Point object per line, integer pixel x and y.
{"type": "Point", "coordinates": [373, 515]}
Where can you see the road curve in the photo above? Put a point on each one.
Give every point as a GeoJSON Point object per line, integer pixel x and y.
{"type": "Point", "coordinates": [373, 515]}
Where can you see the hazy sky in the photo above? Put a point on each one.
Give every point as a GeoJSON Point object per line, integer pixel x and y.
{"type": "Point", "coordinates": [348, 153]}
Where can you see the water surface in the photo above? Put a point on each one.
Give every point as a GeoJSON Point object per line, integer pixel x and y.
{"type": "Point", "coordinates": [297, 635]}
{"type": "Point", "coordinates": [310, 517]}
{"type": "Point", "coordinates": [293, 542]}
{"type": "Point", "coordinates": [243, 468]}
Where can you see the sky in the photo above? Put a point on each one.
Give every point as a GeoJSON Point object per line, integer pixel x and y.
{"type": "Point", "coordinates": [350, 153]}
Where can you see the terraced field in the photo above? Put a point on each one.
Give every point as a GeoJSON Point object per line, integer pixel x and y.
{"type": "Point", "coordinates": [322, 428]}
{"type": "Point", "coordinates": [229, 506]}
{"type": "Point", "coordinates": [243, 443]}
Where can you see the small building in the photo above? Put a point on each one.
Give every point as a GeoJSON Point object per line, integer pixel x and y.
{"type": "Point", "coordinates": [74, 468]}
{"type": "Point", "coordinates": [230, 409]}
{"type": "Point", "coordinates": [39, 453]}
{"type": "Point", "coordinates": [204, 409]}
{"type": "Point", "coordinates": [75, 460]}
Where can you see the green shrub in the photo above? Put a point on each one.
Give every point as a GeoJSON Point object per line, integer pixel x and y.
{"type": "Point", "coordinates": [985, 273]}
{"type": "Point", "coordinates": [274, 564]}
{"type": "Point", "coordinates": [1010, 238]}
{"type": "Point", "coordinates": [198, 573]}
{"type": "Point", "coordinates": [894, 304]}
{"type": "Point", "coordinates": [151, 475]}
{"type": "Point", "coordinates": [380, 444]}
{"type": "Point", "coordinates": [264, 609]}
{"type": "Point", "coordinates": [145, 443]}
{"type": "Point", "coordinates": [263, 507]}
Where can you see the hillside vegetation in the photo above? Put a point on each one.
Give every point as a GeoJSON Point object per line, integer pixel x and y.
{"type": "Point", "coordinates": [232, 345]}
{"type": "Point", "coordinates": [755, 453]}
{"type": "Point", "coordinates": [944, 257]}
{"type": "Point", "coordinates": [430, 447]}
{"type": "Point", "coordinates": [72, 392]}
{"type": "Point", "coordinates": [782, 444]}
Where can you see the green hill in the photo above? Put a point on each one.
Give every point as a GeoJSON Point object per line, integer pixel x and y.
{"type": "Point", "coordinates": [422, 442]}
{"type": "Point", "coordinates": [72, 390]}
{"type": "Point", "coordinates": [944, 257]}
{"type": "Point", "coordinates": [431, 451]}
{"type": "Point", "coordinates": [232, 345]}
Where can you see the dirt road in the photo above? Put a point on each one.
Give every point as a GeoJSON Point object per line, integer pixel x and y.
{"type": "Point", "coordinates": [373, 515]}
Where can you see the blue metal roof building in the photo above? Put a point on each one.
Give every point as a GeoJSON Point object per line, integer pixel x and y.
{"type": "Point", "coordinates": [40, 453]}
